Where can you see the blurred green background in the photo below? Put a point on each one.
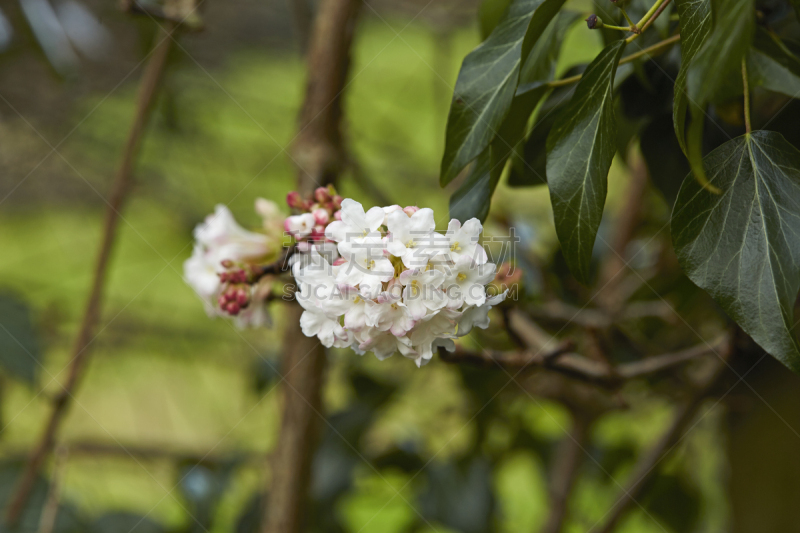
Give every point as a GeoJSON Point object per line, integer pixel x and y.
{"type": "Point", "coordinates": [166, 385]}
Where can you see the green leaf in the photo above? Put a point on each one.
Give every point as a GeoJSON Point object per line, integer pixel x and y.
{"type": "Point", "coordinates": [773, 65]}
{"type": "Point", "coordinates": [19, 343]}
{"type": "Point", "coordinates": [743, 246]}
{"type": "Point", "coordinates": [511, 134]}
{"type": "Point", "coordinates": [695, 19]}
{"type": "Point", "coordinates": [474, 197]}
{"type": "Point", "coordinates": [487, 82]}
{"type": "Point", "coordinates": [723, 50]}
{"type": "Point", "coordinates": [538, 69]}
{"type": "Point", "coordinates": [540, 63]}
{"type": "Point", "coordinates": [579, 152]}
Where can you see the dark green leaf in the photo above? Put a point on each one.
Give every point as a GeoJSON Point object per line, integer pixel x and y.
{"type": "Point", "coordinates": [579, 152]}
{"type": "Point", "coordinates": [528, 165]}
{"type": "Point", "coordinates": [487, 82]}
{"type": "Point", "coordinates": [19, 343]}
{"type": "Point", "coordinates": [695, 19]}
{"type": "Point", "coordinates": [773, 65]}
{"type": "Point", "coordinates": [723, 50]}
{"type": "Point", "coordinates": [743, 246]}
{"type": "Point", "coordinates": [474, 196]}
{"type": "Point", "coordinates": [540, 63]}
{"type": "Point", "coordinates": [538, 69]}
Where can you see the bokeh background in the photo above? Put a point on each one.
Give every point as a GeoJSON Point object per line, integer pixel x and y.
{"type": "Point", "coordinates": [170, 392]}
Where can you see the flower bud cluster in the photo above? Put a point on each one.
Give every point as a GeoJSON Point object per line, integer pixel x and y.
{"type": "Point", "coordinates": [315, 214]}
{"type": "Point", "coordinates": [385, 280]}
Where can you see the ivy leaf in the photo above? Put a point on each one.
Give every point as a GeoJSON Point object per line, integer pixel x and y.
{"type": "Point", "coordinates": [487, 82]}
{"type": "Point", "coordinates": [19, 343]}
{"type": "Point", "coordinates": [695, 19]}
{"type": "Point", "coordinates": [773, 65]}
{"type": "Point", "coordinates": [474, 197]}
{"type": "Point", "coordinates": [723, 50]}
{"type": "Point", "coordinates": [580, 148]}
{"type": "Point", "coordinates": [743, 246]}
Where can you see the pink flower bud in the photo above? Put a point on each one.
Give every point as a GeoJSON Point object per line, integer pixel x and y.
{"type": "Point", "coordinates": [321, 216]}
{"type": "Point", "coordinates": [337, 202]}
{"type": "Point", "coordinates": [241, 297]}
{"type": "Point", "coordinates": [410, 210]}
{"type": "Point", "coordinates": [294, 200]}
{"type": "Point", "coordinates": [322, 195]}
{"type": "Point", "coordinates": [337, 215]}
{"type": "Point", "coordinates": [339, 261]}
{"type": "Point", "coordinates": [227, 263]}
{"type": "Point", "coordinates": [233, 308]}
{"type": "Point", "coordinates": [304, 247]}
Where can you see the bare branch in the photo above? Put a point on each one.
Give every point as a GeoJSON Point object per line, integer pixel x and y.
{"type": "Point", "coordinates": [564, 471]}
{"type": "Point", "coordinates": [647, 465]}
{"type": "Point", "coordinates": [148, 88]}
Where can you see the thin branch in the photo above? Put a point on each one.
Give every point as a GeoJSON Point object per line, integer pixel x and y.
{"type": "Point", "coordinates": [561, 359]}
{"type": "Point", "coordinates": [651, 51]}
{"type": "Point", "coordinates": [656, 15]}
{"type": "Point", "coordinates": [646, 468]}
{"type": "Point", "coordinates": [148, 89]}
{"type": "Point", "coordinates": [564, 472]}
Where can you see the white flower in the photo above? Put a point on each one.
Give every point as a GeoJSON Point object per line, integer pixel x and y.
{"type": "Point", "coordinates": [389, 313]}
{"type": "Point", "coordinates": [422, 291]}
{"type": "Point", "coordinates": [221, 231]}
{"type": "Point", "coordinates": [218, 238]}
{"type": "Point", "coordinates": [202, 269]}
{"type": "Point", "coordinates": [463, 241]}
{"type": "Point", "coordinates": [388, 210]}
{"type": "Point", "coordinates": [424, 337]}
{"type": "Point", "coordinates": [353, 305]}
{"type": "Point", "coordinates": [365, 261]}
{"type": "Point", "coordinates": [478, 316]}
{"type": "Point", "coordinates": [384, 344]}
{"type": "Point", "coordinates": [326, 329]}
{"type": "Point", "coordinates": [466, 281]}
{"type": "Point", "coordinates": [355, 223]}
{"type": "Point", "coordinates": [412, 237]}
{"type": "Point", "coordinates": [300, 226]}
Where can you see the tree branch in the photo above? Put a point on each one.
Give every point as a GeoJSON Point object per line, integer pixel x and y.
{"type": "Point", "coordinates": [647, 465]}
{"type": "Point", "coordinates": [319, 154]}
{"type": "Point", "coordinates": [562, 360]}
{"type": "Point", "coordinates": [564, 471]}
{"type": "Point", "coordinates": [148, 89]}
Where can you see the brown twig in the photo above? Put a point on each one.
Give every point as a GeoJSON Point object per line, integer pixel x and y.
{"type": "Point", "coordinates": [652, 19]}
{"type": "Point", "coordinates": [564, 471]}
{"type": "Point", "coordinates": [147, 91]}
{"type": "Point", "coordinates": [319, 154]}
{"type": "Point", "coordinates": [561, 359]}
{"type": "Point", "coordinates": [647, 465]}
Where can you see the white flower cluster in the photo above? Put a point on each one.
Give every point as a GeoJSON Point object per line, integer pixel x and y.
{"type": "Point", "coordinates": [220, 239]}
{"type": "Point", "coordinates": [385, 281]}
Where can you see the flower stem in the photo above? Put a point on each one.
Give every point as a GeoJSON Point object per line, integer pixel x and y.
{"type": "Point", "coordinates": [648, 18]}
{"type": "Point", "coordinates": [747, 125]}
{"type": "Point", "coordinates": [650, 50]}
